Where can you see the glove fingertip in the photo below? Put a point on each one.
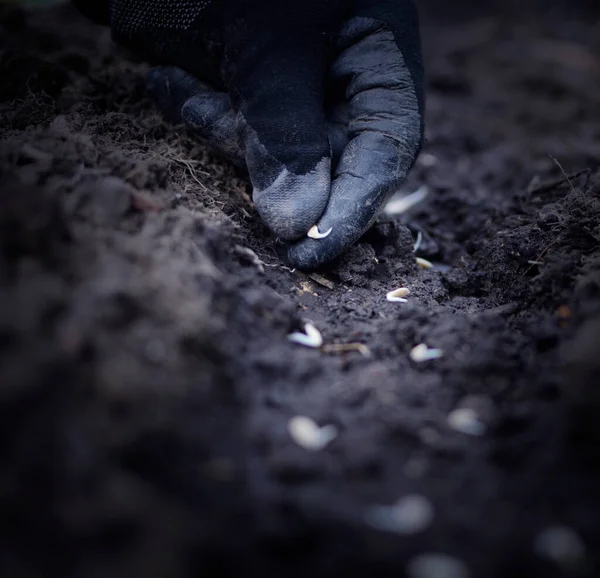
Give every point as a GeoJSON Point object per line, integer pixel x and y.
{"type": "Point", "coordinates": [310, 254]}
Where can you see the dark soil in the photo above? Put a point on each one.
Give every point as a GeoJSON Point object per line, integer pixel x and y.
{"type": "Point", "coordinates": [146, 380]}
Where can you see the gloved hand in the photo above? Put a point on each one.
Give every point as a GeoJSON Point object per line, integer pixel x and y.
{"type": "Point", "coordinates": [321, 100]}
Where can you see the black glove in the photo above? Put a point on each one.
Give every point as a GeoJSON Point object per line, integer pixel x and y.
{"type": "Point", "coordinates": [321, 100]}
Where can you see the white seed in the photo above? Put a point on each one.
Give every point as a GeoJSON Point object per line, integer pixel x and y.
{"type": "Point", "coordinates": [409, 515]}
{"type": "Point", "coordinates": [418, 242]}
{"type": "Point", "coordinates": [434, 565]}
{"type": "Point", "coordinates": [397, 295]}
{"type": "Point", "coordinates": [313, 232]}
{"type": "Point", "coordinates": [421, 353]}
{"type": "Point", "coordinates": [465, 420]}
{"type": "Point", "coordinates": [403, 204]}
{"type": "Point", "coordinates": [308, 435]}
{"type": "Point", "coordinates": [310, 338]}
{"type": "Point", "coordinates": [560, 544]}
{"type": "Point", "coordinates": [424, 263]}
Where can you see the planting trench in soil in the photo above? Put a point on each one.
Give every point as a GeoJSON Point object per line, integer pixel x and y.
{"type": "Point", "coordinates": [149, 391]}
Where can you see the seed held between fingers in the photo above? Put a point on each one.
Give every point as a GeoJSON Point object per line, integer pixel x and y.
{"type": "Point", "coordinates": [397, 295]}
{"type": "Point", "coordinates": [314, 233]}
{"type": "Point", "coordinates": [310, 338]}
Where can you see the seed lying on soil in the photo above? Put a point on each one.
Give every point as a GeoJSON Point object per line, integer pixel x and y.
{"type": "Point", "coordinates": [418, 242]}
{"type": "Point", "coordinates": [397, 295]}
{"type": "Point", "coordinates": [465, 420]}
{"type": "Point", "coordinates": [424, 263]}
{"type": "Point", "coordinates": [310, 338]}
{"type": "Point", "coordinates": [409, 515]}
{"type": "Point", "coordinates": [308, 435]}
{"type": "Point", "coordinates": [421, 353]}
{"type": "Point", "coordinates": [560, 544]}
{"type": "Point", "coordinates": [434, 565]}
{"type": "Point", "coordinates": [313, 232]}
{"type": "Point", "coordinates": [403, 204]}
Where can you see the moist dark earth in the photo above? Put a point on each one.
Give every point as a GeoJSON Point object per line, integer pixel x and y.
{"type": "Point", "coordinates": [146, 377]}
